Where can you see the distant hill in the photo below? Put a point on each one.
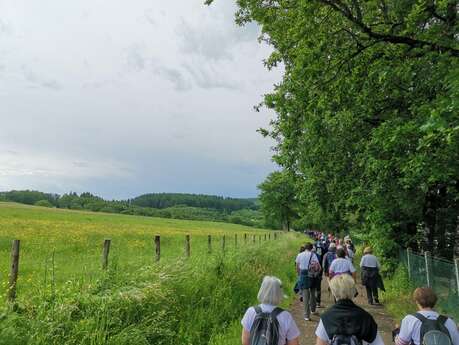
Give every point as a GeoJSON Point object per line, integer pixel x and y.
{"type": "Point", "coordinates": [164, 205]}
{"type": "Point", "coordinates": [164, 200]}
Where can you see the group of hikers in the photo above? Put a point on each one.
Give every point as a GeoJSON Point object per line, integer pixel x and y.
{"type": "Point", "coordinates": [344, 322]}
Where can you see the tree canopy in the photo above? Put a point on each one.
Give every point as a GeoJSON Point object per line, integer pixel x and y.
{"type": "Point", "coordinates": [367, 114]}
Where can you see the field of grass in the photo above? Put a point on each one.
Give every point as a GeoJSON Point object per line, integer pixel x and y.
{"type": "Point", "coordinates": [65, 298]}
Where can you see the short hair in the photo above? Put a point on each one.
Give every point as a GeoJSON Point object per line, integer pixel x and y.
{"type": "Point", "coordinates": [340, 252]}
{"type": "Point", "coordinates": [425, 297]}
{"type": "Point", "coordinates": [367, 250]}
{"type": "Point", "coordinates": [343, 287]}
{"type": "Point", "coordinates": [271, 291]}
{"type": "Point", "coordinates": [301, 249]}
{"type": "Point", "coordinates": [308, 246]}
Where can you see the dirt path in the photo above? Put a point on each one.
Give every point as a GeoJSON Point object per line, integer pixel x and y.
{"type": "Point", "coordinates": [307, 328]}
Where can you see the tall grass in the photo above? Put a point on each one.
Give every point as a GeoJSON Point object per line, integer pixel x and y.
{"type": "Point", "coordinates": [192, 301]}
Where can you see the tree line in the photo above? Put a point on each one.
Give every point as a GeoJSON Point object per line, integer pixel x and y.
{"type": "Point", "coordinates": [367, 124]}
{"type": "Point", "coordinates": [164, 205]}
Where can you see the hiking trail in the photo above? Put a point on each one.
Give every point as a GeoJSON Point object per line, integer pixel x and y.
{"type": "Point", "coordinates": [307, 328]}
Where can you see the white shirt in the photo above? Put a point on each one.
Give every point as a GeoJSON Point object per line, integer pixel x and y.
{"type": "Point", "coordinates": [369, 260]}
{"type": "Point", "coordinates": [322, 334]}
{"type": "Point", "coordinates": [411, 328]}
{"type": "Point", "coordinates": [340, 265]}
{"type": "Point", "coordinates": [303, 258]}
{"type": "Point", "coordinates": [288, 329]}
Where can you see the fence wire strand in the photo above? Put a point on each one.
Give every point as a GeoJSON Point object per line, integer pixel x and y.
{"type": "Point", "coordinates": [439, 274]}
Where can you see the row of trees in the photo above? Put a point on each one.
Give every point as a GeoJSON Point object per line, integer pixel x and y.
{"type": "Point", "coordinates": [367, 125]}
{"type": "Point", "coordinates": [177, 206]}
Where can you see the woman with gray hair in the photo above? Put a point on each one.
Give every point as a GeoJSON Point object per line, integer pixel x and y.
{"type": "Point", "coordinates": [345, 322]}
{"type": "Point", "coordinates": [267, 317]}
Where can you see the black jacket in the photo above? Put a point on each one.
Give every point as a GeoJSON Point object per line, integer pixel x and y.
{"type": "Point", "coordinates": [346, 318]}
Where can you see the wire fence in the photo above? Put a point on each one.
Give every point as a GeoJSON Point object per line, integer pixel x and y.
{"type": "Point", "coordinates": [439, 274]}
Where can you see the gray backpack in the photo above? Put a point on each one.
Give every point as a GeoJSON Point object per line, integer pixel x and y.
{"type": "Point", "coordinates": [434, 332]}
{"type": "Point", "coordinates": [265, 327]}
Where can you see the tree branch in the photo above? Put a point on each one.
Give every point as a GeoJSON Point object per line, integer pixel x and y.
{"type": "Point", "coordinates": [338, 6]}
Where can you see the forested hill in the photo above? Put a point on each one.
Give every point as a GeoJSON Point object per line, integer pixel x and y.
{"type": "Point", "coordinates": [165, 205]}
{"type": "Point", "coordinates": [164, 200]}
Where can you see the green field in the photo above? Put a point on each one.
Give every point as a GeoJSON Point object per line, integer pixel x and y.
{"type": "Point", "coordinates": [75, 239]}
{"type": "Point", "coordinates": [64, 297]}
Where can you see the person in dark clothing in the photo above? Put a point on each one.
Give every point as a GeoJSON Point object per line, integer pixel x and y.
{"type": "Point", "coordinates": [371, 278]}
{"type": "Point", "coordinates": [346, 318]}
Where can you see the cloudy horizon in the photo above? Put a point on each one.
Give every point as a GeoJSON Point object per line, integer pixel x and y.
{"type": "Point", "coordinates": [120, 99]}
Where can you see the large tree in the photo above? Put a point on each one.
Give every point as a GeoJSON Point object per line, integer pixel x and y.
{"type": "Point", "coordinates": [367, 113]}
{"type": "Point", "coordinates": [278, 201]}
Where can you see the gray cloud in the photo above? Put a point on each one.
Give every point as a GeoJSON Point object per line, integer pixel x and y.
{"type": "Point", "coordinates": [175, 76]}
{"type": "Point", "coordinates": [148, 101]}
{"type": "Point", "coordinates": [211, 44]}
{"type": "Point", "coordinates": [35, 79]}
{"type": "Point", "coordinates": [207, 77]}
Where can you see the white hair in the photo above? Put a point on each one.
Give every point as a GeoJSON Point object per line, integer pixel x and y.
{"type": "Point", "coordinates": [343, 287]}
{"type": "Point", "coordinates": [270, 291]}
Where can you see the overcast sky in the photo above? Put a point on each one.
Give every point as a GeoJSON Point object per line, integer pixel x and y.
{"type": "Point", "coordinates": [122, 98]}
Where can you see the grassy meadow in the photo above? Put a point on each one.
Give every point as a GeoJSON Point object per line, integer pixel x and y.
{"type": "Point", "coordinates": [64, 297]}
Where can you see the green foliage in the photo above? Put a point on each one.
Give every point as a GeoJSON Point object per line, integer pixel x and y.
{"type": "Point", "coordinates": [397, 298]}
{"type": "Point", "coordinates": [277, 198]}
{"type": "Point", "coordinates": [43, 203]}
{"type": "Point", "coordinates": [189, 302]}
{"type": "Point", "coordinates": [164, 205]}
{"type": "Point", "coordinates": [367, 115]}
{"type": "Point", "coordinates": [165, 200]}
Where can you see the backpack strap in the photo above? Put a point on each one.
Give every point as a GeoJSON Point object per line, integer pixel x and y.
{"type": "Point", "coordinates": [442, 319]}
{"type": "Point", "coordinates": [276, 312]}
{"type": "Point", "coordinates": [420, 317]}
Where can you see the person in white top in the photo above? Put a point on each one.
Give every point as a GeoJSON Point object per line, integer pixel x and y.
{"type": "Point", "coordinates": [304, 262]}
{"type": "Point", "coordinates": [341, 265]}
{"type": "Point", "coordinates": [410, 330]}
{"type": "Point", "coordinates": [270, 296]}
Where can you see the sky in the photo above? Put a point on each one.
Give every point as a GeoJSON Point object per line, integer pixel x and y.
{"type": "Point", "coordinates": [121, 98]}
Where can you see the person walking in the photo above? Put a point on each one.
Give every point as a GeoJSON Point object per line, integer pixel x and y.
{"type": "Point", "coordinates": [345, 322]}
{"type": "Point", "coordinates": [282, 328]}
{"type": "Point", "coordinates": [414, 328]}
{"type": "Point", "coordinates": [308, 267]}
{"type": "Point", "coordinates": [371, 278]}
{"type": "Point", "coordinates": [341, 265]}
{"type": "Point", "coordinates": [328, 258]}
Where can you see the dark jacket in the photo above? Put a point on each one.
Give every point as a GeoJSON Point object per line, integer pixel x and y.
{"type": "Point", "coordinates": [346, 318]}
{"type": "Point", "coordinates": [371, 278]}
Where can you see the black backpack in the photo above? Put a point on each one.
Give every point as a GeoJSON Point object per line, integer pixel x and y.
{"type": "Point", "coordinates": [342, 339]}
{"type": "Point", "coordinates": [434, 332]}
{"type": "Point", "coordinates": [265, 327]}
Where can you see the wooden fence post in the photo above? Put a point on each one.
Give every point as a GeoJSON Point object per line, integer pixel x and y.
{"type": "Point", "coordinates": [209, 244]}
{"type": "Point", "coordinates": [245, 238]}
{"type": "Point", "coordinates": [427, 259]}
{"type": "Point", "coordinates": [253, 238]}
{"type": "Point", "coordinates": [105, 253]}
{"type": "Point", "coordinates": [265, 237]}
{"type": "Point", "coordinates": [408, 262]}
{"type": "Point", "coordinates": [269, 236]}
{"type": "Point", "coordinates": [456, 265]}
{"type": "Point", "coordinates": [158, 247]}
{"type": "Point", "coordinates": [187, 246]}
{"type": "Point", "coordinates": [223, 243]}
{"type": "Point", "coordinates": [275, 235]}
{"type": "Point", "coordinates": [259, 238]}
{"type": "Point", "coordinates": [14, 270]}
